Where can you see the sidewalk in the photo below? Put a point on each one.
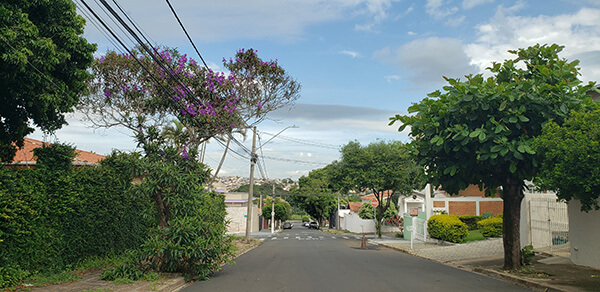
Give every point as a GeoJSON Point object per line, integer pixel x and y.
{"type": "Point", "coordinates": [548, 272]}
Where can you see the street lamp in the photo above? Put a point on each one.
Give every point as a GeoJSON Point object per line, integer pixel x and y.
{"type": "Point", "coordinates": [253, 159]}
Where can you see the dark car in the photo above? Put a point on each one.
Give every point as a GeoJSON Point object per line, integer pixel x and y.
{"type": "Point", "coordinates": [288, 225]}
{"type": "Point", "coordinates": [313, 225]}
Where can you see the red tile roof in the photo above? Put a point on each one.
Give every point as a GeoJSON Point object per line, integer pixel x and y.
{"type": "Point", "coordinates": [24, 156]}
{"type": "Point", "coordinates": [354, 206]}
{"type": "Point", "coordinates": [386, 194]}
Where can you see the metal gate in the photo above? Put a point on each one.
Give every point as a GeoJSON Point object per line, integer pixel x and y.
{"type": "Point", "coordinates": [549, 224]}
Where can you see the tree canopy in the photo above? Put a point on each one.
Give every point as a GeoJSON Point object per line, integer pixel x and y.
{"type": "Point", "coordinates": [380, 167]}
{"type": "Point", "coordinates": [481, 130]}
{"type": "Point", "coordinates": [43, 69]}
{"type": "Point", "coordinates": [571, 158]}
{"type": "Point", "coordinates": [315, 193]}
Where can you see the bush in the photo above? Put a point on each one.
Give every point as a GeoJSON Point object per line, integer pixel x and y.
{"type": "Point", "coordinates": [487, 215]}
{"type": "Point", "coordinates": [527, 255]}
{"type": "Point", "coordinates": [491, 227]}
{"type": "Point", "coordinates": [470, 220]}
{"type": "Point", "coordinates": [305, 218]}
{"type": "Point", "coordinates": [447, 227]}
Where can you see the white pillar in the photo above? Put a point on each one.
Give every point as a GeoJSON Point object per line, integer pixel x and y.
{"type": "Point", "coordinates": [428, 201]}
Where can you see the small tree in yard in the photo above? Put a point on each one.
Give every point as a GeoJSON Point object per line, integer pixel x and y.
{"type": "Point", "coordinates": [480, 131]}
{"type": "Point", "coordinates": [366, 211]}
{"type": "Point", "coordinates": [314, 193]}
{"type": "Point", "coordinates": [379, 167]}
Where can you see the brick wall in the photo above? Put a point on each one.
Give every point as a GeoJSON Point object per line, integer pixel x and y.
{"type": "Point", "coordinates": [462, 208]}
{"type": "Point", "coordinates": [495, 207]}
{"type": "Point", "coordinates": [439, 204]}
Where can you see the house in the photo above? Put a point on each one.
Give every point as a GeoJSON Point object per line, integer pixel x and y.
{"type": "Point", "coordinates": [236, 206]}
{"type": "Point", "coordinates": [24, 157]}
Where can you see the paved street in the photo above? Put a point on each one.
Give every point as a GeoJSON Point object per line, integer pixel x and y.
{"type": "Point", "coordinates": [308, 260]}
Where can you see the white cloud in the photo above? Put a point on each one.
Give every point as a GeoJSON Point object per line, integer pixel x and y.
{"type": "Point", "coordinates": [455, 21]}
{"type": "Point", "coordinates": [352, 54]}
{"type": "Point", "coordinates": [468, 4]}
{"type": "Point", "coordinates": [411, 33]}
{"type": "Point", "coordinates": [427, 60]}
{"type": "Point", "coordinates": [578, 32]}
{"type": "Point", "coordinates": [392, 78]}
{"type": "Point", "coordinates": [437, 9]}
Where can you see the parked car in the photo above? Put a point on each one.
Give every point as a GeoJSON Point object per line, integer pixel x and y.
{"type": "Point", "coordinates": [313, 225]}
{"type": "Point", "coordinates": [288, 225]}
{"type": "Point", "coordinates": [306, 224]}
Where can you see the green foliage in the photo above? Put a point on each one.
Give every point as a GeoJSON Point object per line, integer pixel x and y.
{"type": "Point", "coordinates": [447, 227]}
{"type": "Point", "coordinates": [480, 131]}
{"type": "Point", "coordinates": [470, 220]}
{"type": "Point", "coordinates": [305, 218]}
{"type": "Point", "coordinates": [491, 227]}
{"type": "Point", "coordinates": [283, 210]}
{"type": "Point", "coordinates": [527, 255]}
{"type": "Point", "coordinates": [11, 276]}
{"type": "Point", "coordinates": [487, 215]}
{"type": "Point", "coordinates": [314, 193]}
{"type": "Point", "coordinates": [366, 211]}
{"type": "Point", "coordinates": [43, 69]}
{"type": "Point", "coordinates": [379, 167]}
{"type": "Point", "coordinates": [571, 164]}
{"type": "Point", "coordinates": [53, 218]}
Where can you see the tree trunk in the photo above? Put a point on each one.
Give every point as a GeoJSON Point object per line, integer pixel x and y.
{"type": "Point", "coordinates": [163, 212]}
{"type": "Point", "coordinates": [512, 196]}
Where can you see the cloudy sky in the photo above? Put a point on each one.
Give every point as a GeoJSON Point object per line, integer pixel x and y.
{"type": "Point", "coordinates": [359, 62]}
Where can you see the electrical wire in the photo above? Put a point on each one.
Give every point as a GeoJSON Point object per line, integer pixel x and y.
{"type": "Point", "coordinates": [306, 142]}
{"type": "Point", "coordinates": [186, 33]}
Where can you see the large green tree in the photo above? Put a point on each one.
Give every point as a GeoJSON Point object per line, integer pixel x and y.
{"type": "Point", "coordinates": [43, 67]}
{"type": "Point", "coordinates": [571, 158]}
{"type": "Point", "coordinates": [315, 193]}
{"type": "Point", "coordinates": [379, 167]}
{"type": "Point", "coordinates": [480, 131]}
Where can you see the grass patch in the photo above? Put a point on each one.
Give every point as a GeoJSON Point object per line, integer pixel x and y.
{"type": "Point", "coordinates": [43, 279]}
{"type": "Point", "coordinates": [474, 235]}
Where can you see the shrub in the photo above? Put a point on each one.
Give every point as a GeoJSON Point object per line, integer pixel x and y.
{"type": "Point", "coordinates": [491, 227]}
{"type": "Point", "coordinates": [470, 220]}
{"type": "Point", "coordinates": [527, 255]}
{"type": "Point", "coordinates": [487, 215]}
{"type": "Point", "coordinates": [447, 227]}
{"type": "Point", "coordinates": [305, 218]}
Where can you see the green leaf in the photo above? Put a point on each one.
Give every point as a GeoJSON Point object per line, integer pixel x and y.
{"type": "Point", "coordinates": [475, 133]}
{"type": "Point", "coordinates": [513, 119]}
{"type": "Point", "coordinates": [521, 148]}
{"type": "Point", "coordinates": [496, 148]}
{"type": "Point", "coordinates": [482, 136]}
{"type": "Point", "coordinates": [523, 118]}
{"type": "Point", "coordinates": [440, 141]}
{"type": "Point", "coordinates": [468, 97]}
{"type": "Point", "coordinates": [502, 106]}
{"type": "Point", "coordinates": [518, 155]}
{"type": "Point", "coordinates": [513, 168]}
{"type": "Point", "coordinates": [503, 152]}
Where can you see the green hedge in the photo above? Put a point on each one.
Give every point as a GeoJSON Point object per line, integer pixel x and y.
{"type": "Point", "coordinates": [447, 227]}
{"type": "Point", "coordinates": [52, 217]}
{"type": "Point", "coordinates": [491, 227]}
{"type": "Point", "coordinates": [470, 220]}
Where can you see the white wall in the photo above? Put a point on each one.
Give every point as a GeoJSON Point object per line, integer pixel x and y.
{"type": "Point", "coordinates": [525, 223]}
{"type": "Point", "coordinates": [353, 223]}
{"type": "Point", "coordinates": [584, 235]}
{"type": "Point", "coordinates": [237, 219]}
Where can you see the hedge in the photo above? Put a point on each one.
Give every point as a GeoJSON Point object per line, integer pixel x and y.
{"type": "Point", "coordinates": [52, 217]}
{"type": "Point", "coordinates": [447, 227]}
{"type": "Point", "coordinates": [491, 227]}
{"type": "Point", "coordinates": [470, 220]}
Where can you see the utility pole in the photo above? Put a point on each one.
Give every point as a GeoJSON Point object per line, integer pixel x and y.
{"type": "Point", "coordinates": [251, 188]}
{"type": "Point", "coordinates": [273, 211]}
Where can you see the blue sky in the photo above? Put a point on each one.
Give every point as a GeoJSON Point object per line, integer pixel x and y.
{"type": "Point", "coordinates": [359, 61]}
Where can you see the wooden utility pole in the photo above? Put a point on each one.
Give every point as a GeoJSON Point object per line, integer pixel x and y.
{"type": "Point", "coordinates": [251, 188]}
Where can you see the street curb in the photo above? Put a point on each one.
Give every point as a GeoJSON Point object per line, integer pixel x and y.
{"type": "Point", "coordinates": [518, 281]}
{"type": "Point", "coordinates": [488, 272]}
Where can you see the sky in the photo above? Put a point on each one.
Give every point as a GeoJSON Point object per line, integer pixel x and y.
{"type": "Point", "coordinates": [359, 62]}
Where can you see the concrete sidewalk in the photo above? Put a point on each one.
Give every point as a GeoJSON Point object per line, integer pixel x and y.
{"type": "Point", "coordinates": [548, 272]}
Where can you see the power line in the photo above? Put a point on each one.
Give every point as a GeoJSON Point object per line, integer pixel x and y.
{"type": "Point", "coordinates": [306, 142]}
{"type": "Point", "coordinates": [186, 33]}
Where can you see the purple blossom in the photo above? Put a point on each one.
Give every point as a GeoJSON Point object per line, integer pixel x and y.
{"type": "Point", "coordinates": [107, 93]}
{"type": "Point", "coordinates": [259, 105]}
{"type": "Point", "coordinates": [184, 153]}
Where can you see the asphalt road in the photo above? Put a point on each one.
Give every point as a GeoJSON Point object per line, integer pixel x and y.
{"type": "Point", "coordinates": [309, 260]}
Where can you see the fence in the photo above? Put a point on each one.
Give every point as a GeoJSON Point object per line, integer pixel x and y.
{"type": "Point", "coordinates": [549, 224]}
